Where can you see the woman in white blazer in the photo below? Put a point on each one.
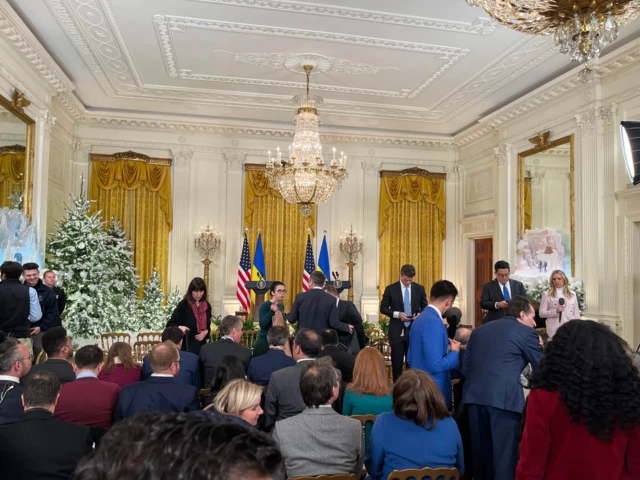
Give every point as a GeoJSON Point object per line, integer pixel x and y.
{"type": "Point", "coordinates": [550, 307]}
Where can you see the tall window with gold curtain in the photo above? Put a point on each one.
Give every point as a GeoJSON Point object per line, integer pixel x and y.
{"type": "Point", "coordinates": [12, 164]}
{"type": "Point", "coordinates": [136, 190]}
{"type": "Point", "coordinates": [412, 224]}
{"type": "Point", "coordinates": [284, 231]}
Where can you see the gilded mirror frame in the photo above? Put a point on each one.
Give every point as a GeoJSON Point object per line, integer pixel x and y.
{"type": "Point", "coordinates": [16, 106]}
{"type": "Point", "coordinates": [541, 140]}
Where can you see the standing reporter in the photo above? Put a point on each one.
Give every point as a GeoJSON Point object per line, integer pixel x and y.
{"type": "Point", "coordinates": [193, 316]}
{"type": "Point", "coordinates": [550, 303]}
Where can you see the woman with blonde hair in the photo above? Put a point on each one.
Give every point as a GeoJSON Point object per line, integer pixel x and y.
{"type": "Point", "coordinates": [120, 367]}
{"type": "Point", "coordinates": [240, 399]}
{"type": "Point", "coordinates": [558, 304]}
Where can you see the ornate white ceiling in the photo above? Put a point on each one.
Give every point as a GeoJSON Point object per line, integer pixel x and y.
{"type": "Point", "coordinates": [430, 66]}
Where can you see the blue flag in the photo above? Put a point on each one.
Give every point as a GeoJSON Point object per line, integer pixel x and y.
{"type": "Point", "coordinates": [323, 259]}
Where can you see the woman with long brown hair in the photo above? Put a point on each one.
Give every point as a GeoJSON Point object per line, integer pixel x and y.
{"type": "Point", "coordinates": [193, 316]}
{"type": "Point", "coordinates": [120, 366]}
{"type": "Point", "coordinates": [418, 433]}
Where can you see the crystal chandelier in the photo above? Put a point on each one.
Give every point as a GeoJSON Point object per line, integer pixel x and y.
{"type": "Point", "coordinates": [304, 178]}
{"type": "Point", "coordinates": [581, 28]}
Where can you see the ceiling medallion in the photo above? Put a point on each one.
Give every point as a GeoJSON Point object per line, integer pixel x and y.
{"type": "Point", "coordinates": [303, 178]}
{"type": "Point", "coordinates": [581, 28]}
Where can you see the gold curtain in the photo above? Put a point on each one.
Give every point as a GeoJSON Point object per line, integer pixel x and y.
{"type": "Point", "coordinates": [284, 231]}
{"type": "Point", "coordinates": [138, 194]}
{"type": "Point", "coordinates": [527, 204]}
{"type": "Point", "coordinates": [11, 169]}
{"type": "Point", "coordinates": [412, 225]}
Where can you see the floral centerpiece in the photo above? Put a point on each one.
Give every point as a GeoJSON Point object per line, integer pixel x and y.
{"type": "Point", "coordinates": [536, 286]}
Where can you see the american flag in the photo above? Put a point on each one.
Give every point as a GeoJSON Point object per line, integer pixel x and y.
{"type": "Point", "coordinates": [244, 275]}
{"type": "Point", "coordinates": [309, 266]}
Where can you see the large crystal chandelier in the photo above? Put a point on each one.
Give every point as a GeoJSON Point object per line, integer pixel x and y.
{"type": "Point", "coordinates": [581, 28]}
{"type": "Point", "coordinates": [304, 178]}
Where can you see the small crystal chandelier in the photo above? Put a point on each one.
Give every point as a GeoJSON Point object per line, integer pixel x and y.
{"type": "Point", "coordinates": [581, 28]}
{"type": "Point", "coordinates": [304, 178]}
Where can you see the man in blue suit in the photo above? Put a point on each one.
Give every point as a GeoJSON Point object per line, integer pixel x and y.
{"type": "Point", "coordinates": [262, 366]}
{"type": "Point", "coordinates": [495, 357]}
{"type": "Point", "coordinates": [429, 342]}
{"type": "Point", "coordinates": [162, 392]}
{"type": "Point", "coordinates": [189, 362]}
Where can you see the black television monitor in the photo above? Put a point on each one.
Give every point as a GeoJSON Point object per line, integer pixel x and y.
{"type": "Point", "coordinates": [630, 135]}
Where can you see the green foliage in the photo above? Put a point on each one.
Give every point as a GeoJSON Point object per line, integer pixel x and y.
{"type": "Point", "coordinates": [151, 312]}
{"type": "Point", "coordinates": [384, 326]}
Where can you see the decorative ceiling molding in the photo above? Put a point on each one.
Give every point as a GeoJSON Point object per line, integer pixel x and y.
{"type": "Point", "coordinates": [480, 26]}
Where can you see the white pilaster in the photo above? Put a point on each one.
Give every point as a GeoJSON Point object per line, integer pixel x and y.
{"type": "Point", "coordinates": [507, 203]}
{"type": "Point", "coordinates": [44, 125]}
{"type": "Point", "coordinates": [370, 259]}
{"type": "Point", "coordinates": [233, 228]}
{"type": "Point", "coordinates": [79, 167]}
{"type": "Point", "coordinates": [180, 237]}
{"type": "Point", "coordinates": [451, 261]}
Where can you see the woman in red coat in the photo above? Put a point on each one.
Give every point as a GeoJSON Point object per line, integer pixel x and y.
{"type": "Point", "coordinates": [583, 413]}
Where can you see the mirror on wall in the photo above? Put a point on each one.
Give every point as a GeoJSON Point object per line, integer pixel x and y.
{"type": "Point", "coordinates": [546, 210]}
{"type": "Point", "coordinates": [16, 153]}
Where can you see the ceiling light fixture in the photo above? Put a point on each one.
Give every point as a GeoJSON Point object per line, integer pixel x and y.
{"type": "Point", "coordinates": [581, 28]}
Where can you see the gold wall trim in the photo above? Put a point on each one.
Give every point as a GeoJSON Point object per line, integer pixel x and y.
{"type": "Point", "coordinates": [411, 171]}
{"type": "Point", "coordinates": [13, 149]}
{"type": "Point", "coordinates": [130, 155]}
{"type": "Point", "coordinates": [254, 167]}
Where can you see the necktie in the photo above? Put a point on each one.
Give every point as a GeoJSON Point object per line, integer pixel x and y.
{"type": "Point", "coordinates": [505, 293]}
{"type": "Point", "coordinates": [407, 305]}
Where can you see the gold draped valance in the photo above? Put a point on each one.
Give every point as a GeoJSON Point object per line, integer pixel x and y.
{"type": "Point", "coordinates": [412, 225]}
{"type": "Point", "coordinates": [284, 231]}
{"type": "Point", "coordinates": [136, 190]}
{"type": "Point", "coordinates": [12, 165]}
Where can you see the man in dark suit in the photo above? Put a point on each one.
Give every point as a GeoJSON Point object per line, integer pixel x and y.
{"type": "Point", "coordinates": [316, 309]}
{"type": "Point", "coordinates": [494, 359]}
{"type": "Point", "coordinates": [49, 279]}
{"type": "Point", "coordinates": [15, 363]}
{"type": "Point", "coordinates": [342, 360]}
{"type": "Point", "coordinates": [211, 354]}
{"type": "Point", "coordinates": [48, 305]}
{"type": "Point", "coordinates": [348, 313]}
{"type": "Point", "coordinates": [283, 399]}
{"type": "Point", "coordinates": [38, 446]}
{"type": "Point", "coordinates": [88, 400]}
{"type": "Point", "coordinates": [161, 392]}
{"type": "Point", "coordinates": [59, 349]}
{"type": "Point", "coordinates": [497, 292]}
{"type": "Point", "coordinates": [190, 372]}
{"type": "Point", "coordinates": [262, 367]}
{"type": "Point", "coordinates": [402, 302]}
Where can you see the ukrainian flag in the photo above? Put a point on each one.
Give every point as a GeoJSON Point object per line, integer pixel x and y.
{"type": "Point", "coordinates": [258, 265]}
{"type": "Point", "coordinates": [323, 259]}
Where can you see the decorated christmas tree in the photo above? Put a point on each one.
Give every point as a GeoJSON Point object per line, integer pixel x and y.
{"type": "Point", "coordinates": [175, 297]}
{"type": "Point", "coordinates": [78, 252]}
{"type": "Point", "coordinates": [151, 312]}
{"type": "Point", "coordinates": [120, 257]}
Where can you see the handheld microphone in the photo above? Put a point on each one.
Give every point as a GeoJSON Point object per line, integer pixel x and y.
{"type": "Point", "coordinates": [561, 302]}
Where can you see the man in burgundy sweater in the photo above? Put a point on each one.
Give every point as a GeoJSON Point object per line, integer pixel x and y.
{"type": "Point", "coordinates": [87, 400]}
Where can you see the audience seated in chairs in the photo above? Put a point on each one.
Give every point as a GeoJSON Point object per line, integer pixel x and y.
{"type": "Point", "coordinates": [418, 433]}
{"type": "Point", "coordinates": [460, 413]}
{"type": "Point", "coordinates": [211, 354]}
{"type": "Point", "coordinates": [15, 362]}
{"type": "Point", "coordinates": [261, 368]}
{"type": "Point", "coordinates": [342, 360]}
{"type": "Point", "coordinates": [283, 398]}
{"type": "Point", "coordinates": [170, 445]}
{"type": "Point", "coordinates": [190, 372]}
{"type": "Point", "coordinates": [231, 368]}
{"type": "Point", "coordinates": [38, 446]}
{"type": "Point", "coordinates": [239, 402]}
{"type": "Point", "coordinates": [583, 413]}
{"type": "Point", "coordinates": [319, 440]}
{"type": "Point", "coordinates": [160, 392]}
{"type": "Point", "coordinates": [59, 349]}
{"type": "Point", "coordinates": [88, 400]}
{"type": "Point", "coordinates": [120, 367]}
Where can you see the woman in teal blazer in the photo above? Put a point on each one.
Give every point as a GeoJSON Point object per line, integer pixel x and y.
{"type": "Point", "coordinates": [266, 313]}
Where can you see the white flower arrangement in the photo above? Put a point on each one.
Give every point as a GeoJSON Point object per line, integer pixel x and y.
{"type": "Point", "coordinates": [536, 286]}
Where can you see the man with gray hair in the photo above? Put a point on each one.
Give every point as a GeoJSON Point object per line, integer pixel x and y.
{"type": "Point", "coordinates": [211, 354]}
{"type": "Point", "coordinates": [15, 363]}
{"type": "Point", "coordinates": [261, 368]}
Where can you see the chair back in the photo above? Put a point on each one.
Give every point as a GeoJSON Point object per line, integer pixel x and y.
{"type": "Point", "coordinates": [202, 395]}
{"type": "Point", "coordinates": [344, 476]}
{"type": "Point", "coordinates": [149, 337]}
{"type": "Point", "coordinates": [42, 357]}
{"type": "Point", "coordinates": [249, 338]}
{"type": "Point", "coordinates": [364, 419]}
{"type": "Point", "coordinates": [108, 339]}
{"type": "Point", "coordinates": [425, 473]}
{"type": "Point", "coordinates": [140, 349]}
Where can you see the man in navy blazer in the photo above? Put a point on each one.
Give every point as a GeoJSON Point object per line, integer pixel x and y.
{"type": "Point", "coordinates": [261, 367]}
{"type": "Point", "coordinates": [162, 392]}
{"type": "Point", "coordinates": [429, 342]}
{"type": "Point", "coordinates": [495, 357]}
{"type": "Point", "coordinates": [497, 292]}
{"type": "Point", "coordinates": [189, 362]}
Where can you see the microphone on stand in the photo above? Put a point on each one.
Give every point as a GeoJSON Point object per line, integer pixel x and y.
{"type": "Point", "coordinates": [336, 276]}
{"type": "Point", "coordinates": [561, 302]}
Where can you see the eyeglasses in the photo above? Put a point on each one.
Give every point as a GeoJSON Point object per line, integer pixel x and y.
{"type": "Point", "coordinates": [281, 291]}
{"type": "Point", "coordinates": [179, 361]}
{"type": "Point", "coordinates": [30, 357]}
{"type": "Point", "coordinates": [503, 275]}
